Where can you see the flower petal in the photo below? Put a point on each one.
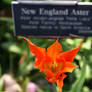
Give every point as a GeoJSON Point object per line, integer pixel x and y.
{"type": "Point", "coordinates": [37, 51]}
{"type": "Point", "coordinates": [60, 82]}
{"type": "Point", "coordinates": [70, 55]}
{"type": "Point", "coordinates": [68, 67]}
{"type": "Point", "coordinates": [49, 76]}
{"type": "Point", "coordinates": [54, 49]}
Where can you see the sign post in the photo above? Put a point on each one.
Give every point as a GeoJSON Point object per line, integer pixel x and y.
{"type": "Point", "coordinates": [52, 18]}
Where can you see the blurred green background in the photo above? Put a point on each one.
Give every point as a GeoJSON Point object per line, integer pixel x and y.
{"type": "Point", "coordinates": [17, 63]}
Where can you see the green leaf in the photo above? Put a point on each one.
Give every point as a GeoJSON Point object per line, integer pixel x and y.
{"type": "Point", "coordinates": [14, 49]}
{"type": "Point", "coordinates": [79, 83]}
{"type": "Point", "coordinates": [11, 47]}
{"type": "Point", "coordinates": [5, 19]}
{"type": "Point", "coordinates": [25, 82]}
{"type": "Point", "coordinates": [1, 81]}
{"type": "Point", "coordinates": [0, 71]}
{"type": "Point", "coordinates": [7, 1]}
{"type": "Point", "coordinates": [1, 85]}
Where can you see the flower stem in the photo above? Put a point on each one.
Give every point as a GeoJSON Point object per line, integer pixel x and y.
{"type": "Point", "coordinates": [55, 88]}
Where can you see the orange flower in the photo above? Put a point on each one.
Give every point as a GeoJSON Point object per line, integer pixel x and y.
{"type": "Point", "coordinates": [54, 63]}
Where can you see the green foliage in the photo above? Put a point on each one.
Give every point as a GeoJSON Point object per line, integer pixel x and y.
{"type": "Point", "coordinates": [1, 81]}
{"type": "Point", "coordinates": [4, 19]}
{"type": "Point", "coordinates": [1, 85]}
{"type": "Point", "coordinates": [7, 1]}
{"type": "Point", "coordinates": [80, 81]}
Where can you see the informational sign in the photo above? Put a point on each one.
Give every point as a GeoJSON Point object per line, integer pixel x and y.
{"type": "Point", "coordinates": [52, 20]}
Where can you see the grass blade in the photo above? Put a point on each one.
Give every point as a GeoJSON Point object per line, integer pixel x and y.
{"type": "Point", "coordinates": [79, 83]}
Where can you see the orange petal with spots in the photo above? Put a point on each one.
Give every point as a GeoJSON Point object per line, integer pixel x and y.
{"type": "Point", "coordinates": [68, 67]}
{"type": "Point", "coordinates": [37, 51]}
{"type": "Point", "coordinates": [70, 55]}
{"type": "Point", "coordinates": [54, 49]}
{"type": "Point", "coordinates": [49, 76]}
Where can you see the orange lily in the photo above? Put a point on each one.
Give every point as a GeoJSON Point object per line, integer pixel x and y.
{"type": "Point", "coordinates": [54, 63]}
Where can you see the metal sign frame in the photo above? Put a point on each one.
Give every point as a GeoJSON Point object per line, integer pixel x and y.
{"type": "Point", "coordinates": [65, 2]}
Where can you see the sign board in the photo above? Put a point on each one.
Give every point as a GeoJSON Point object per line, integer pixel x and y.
{"type": "Point", "coordinates": [52, 19]}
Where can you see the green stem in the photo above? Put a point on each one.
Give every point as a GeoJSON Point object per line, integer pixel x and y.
{"type": "Point", "coordinates": [0, 71]}
{"type": "Point", "coordinates": [1, 81]}
{"type": "Point", "coordinates": [54, 85]}
{"type": "Point", "coordinates": [79, 83]}
{"type": "Point", "coordinates": [11, 64]}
